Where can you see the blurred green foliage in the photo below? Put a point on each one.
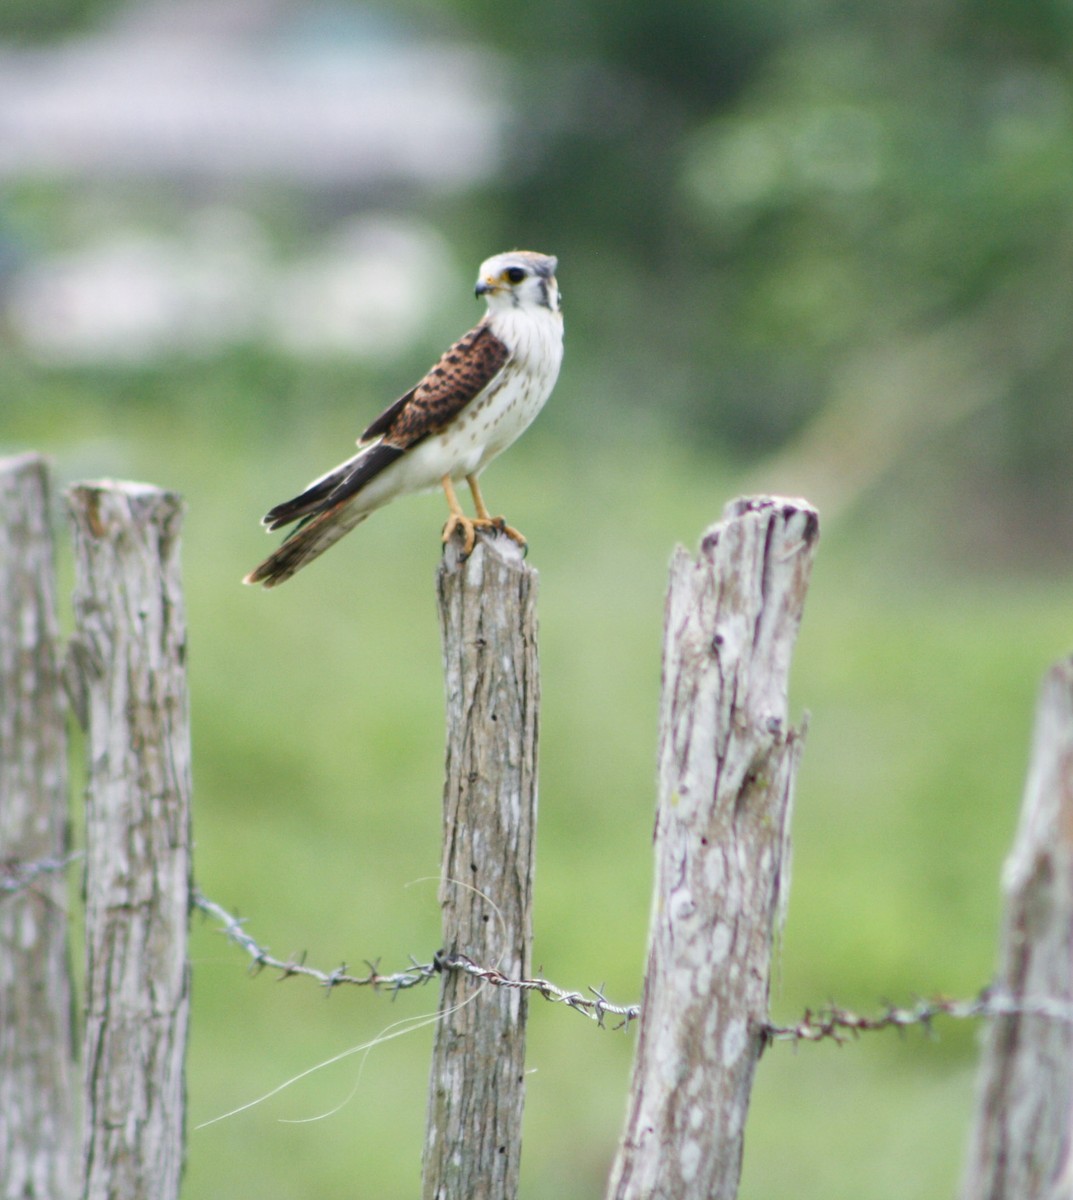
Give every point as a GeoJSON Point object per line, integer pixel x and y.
{"type": "Point", "coordinates": [318, 739]}
{"type": "Point", "coordinates": [757, 205]}
{"type": "Point", "coordinates": [754, 199]}
{"type": "Point", "coordinates": [838, 232]}
{"type": "Point", "coordinates": [34, 21]}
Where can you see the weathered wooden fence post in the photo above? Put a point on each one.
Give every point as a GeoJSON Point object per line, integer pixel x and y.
{"type": "Point", "coordinates": [129, 654]}
{"type": "Point", "coordinates": [38, 1136]}
{"type": "Point", "coordinates": [1022, 1142]}
{"type": "Point", "coordinates": [477, 1088]}
{"type": "Point", "coordinates": [726, 775]}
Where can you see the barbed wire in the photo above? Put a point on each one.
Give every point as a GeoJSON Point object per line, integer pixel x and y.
{"type": "Point", "coordinates": [261, 958]}
{"type": "Point", "coordinates": [596, 1006]}
{"type": "Point", "coordinates": [833, 1022]}
{"type": "Point", "coordinates": [830, 1023]}
{"type": "Point", "coordinates": [16, 876]}
{"type": "Point", "coordinates": [842, 1024]}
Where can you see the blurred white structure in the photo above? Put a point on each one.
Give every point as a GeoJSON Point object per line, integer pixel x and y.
{"type": "Point", "coordinates": [131, 296]}
{"type": "Point", "coordinates": [227, 96]}
{"type": "Point", "coordinates": [322, 95]}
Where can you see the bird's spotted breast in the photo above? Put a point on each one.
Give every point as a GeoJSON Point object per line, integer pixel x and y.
{"type": "Point", "coordinates": [475, 401]}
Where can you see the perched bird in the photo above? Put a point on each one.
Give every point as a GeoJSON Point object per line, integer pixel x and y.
{"type": "Point", "coordinates": [479, 398]}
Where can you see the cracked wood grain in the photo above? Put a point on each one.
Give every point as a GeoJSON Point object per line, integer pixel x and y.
{"type": "Point", "coordinates": [1020, 1148]}
{"type": "Point", "coordinates": [128, 674]}
{"type": "Point", "coordinates": [37, 1131]}
{"type": "Point", "coordinates": [477, 1083]}
{"type": "Point", "coordinates": [727, 762]}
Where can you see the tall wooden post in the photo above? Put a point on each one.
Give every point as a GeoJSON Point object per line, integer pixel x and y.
{"type": "Point", "coordinates": [37, 1130]}
{"type": "Point", "coordinates": [130, 652]}
{"type": "Point", "coordinates": [1022, 1141]}
{"type": "Point", "coordinates": [726, 775]}
{"type": "Point", "coordinates": [477, 1088]}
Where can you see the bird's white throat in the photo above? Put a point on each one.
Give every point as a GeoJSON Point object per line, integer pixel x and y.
{"type": "Point", "coordinates": [533, 334]}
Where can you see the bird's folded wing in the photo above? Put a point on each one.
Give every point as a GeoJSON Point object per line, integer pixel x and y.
{"type": "Point", "coordinates": [462, 373]}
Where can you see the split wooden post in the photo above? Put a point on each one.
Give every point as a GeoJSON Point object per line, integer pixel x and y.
{"type": "Point", "coordinates": [37, 1128]}
{"type": "Point", "coordinates": [477, 1082]}
{"type": "Point", "coordinates": [1022, 1142]}
{"type": "Point", "coordinates": [727, 761]}
{"type": "Point", "coordinates": [129, 681]}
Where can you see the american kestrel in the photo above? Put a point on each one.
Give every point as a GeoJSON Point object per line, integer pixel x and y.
{"type": "Point", "coordinates": [480, 397]}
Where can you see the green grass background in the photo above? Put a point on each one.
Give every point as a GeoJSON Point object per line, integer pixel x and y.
{"type": "Point", "coordinates": [318, 741]}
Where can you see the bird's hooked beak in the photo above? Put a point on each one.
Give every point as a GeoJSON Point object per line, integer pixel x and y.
{"type": "Point", "coordinates": [484, 286]}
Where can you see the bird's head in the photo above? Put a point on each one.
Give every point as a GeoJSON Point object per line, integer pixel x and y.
{"type": "Point", "coordinates": [519, 279]}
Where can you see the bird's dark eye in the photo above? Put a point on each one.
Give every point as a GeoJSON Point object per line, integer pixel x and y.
{"type": "Point", "coordinates": [515, 274]}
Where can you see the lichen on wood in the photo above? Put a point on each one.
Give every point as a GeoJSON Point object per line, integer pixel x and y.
{"type": "Point", "coordinates": [129, 676]}
{"type": "Point", "coordinates": [1022, 1141]}
{"type": "Point", "coordinates": [37, 1129]}
{"type": "Point", "coordinates": [727, 762]}
{"type": "Point", "coordinates": [477, 1079]}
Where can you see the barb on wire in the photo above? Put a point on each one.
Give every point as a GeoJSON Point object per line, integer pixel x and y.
{"type": "Point", "coordinates": [841, 1024]}
{"type": "Point", "coordinates": [596, 1007]}
{"type": "Point", "coordinates": [832, 1023]}
{"type": "Point", "coordinates": [261, 958]}
{"type": "Point", "coordinates": [16, 875]}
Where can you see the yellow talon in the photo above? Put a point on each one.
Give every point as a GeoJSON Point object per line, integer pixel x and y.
{"type": "Point", "coordinates": [469, 526]}
{"type": "Point", "coordinates": [469, 532]}
{"type": "Point", "coordinates": [485, 519]}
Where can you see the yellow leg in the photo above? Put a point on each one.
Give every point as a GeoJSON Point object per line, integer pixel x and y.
{"type": "Point", "coordinates": [478, 500]}
{"type": "Point", "coordinates": [484, 519]}
{"type": "Point", "coordinates": [457, 519]}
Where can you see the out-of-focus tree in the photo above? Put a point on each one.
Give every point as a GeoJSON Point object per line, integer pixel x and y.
{"type": "Point", "coordinates": [839, 234]}
{"type": "Point", "coordinates": [37, 20]}
{"type": "Point", "coordinates": [847, 224]}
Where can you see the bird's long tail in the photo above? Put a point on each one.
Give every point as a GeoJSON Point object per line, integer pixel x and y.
{"type": "Point", "coordinates": [308, 541]}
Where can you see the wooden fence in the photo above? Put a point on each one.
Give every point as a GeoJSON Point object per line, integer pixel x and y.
{"type": "Point", "coordinates": [727, 762]}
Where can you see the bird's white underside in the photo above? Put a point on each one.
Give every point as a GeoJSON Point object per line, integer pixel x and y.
{"type": "Point", "coordinates": [494, 419]}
